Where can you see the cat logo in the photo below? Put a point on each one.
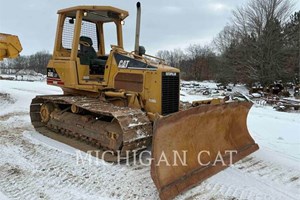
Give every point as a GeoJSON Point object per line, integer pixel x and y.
{"type": "Point", "coordinates": [171, 74]}
{"type": "Point", "coordinates": [123, 64]}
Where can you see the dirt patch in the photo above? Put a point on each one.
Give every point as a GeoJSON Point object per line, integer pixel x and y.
{"type": "Point", "coordinates": [4, 97]}
{"type": "Point", "coordinates": [294, 178]}
{"type": "Point", "coordinates": [14, 171]}
{"type": "Point", "coordinates": [9, 115]}
{"type": "Point", "coordinates": [247, 159]}
{"type": "Point", "coordinates": [10, 170]}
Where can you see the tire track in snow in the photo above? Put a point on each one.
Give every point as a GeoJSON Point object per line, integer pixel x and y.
{"type": "Point", "coordinates": [250, 178]}
{"type": "Point", "coordinates": [46, 173]}
{"type": "Point", "coordinates": [33, 170]}
{"type": "Point", "coordinates": [270, 171]}
{"type": "Point", "coordinates": [43, 172]}
{"type": "Point", "coordinates": [12, 114]}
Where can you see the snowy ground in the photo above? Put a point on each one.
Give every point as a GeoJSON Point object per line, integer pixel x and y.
{"type": "Point", "coordinates": [35, 167]}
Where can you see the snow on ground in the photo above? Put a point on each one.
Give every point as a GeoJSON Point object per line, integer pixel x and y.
{"type": "Point", "coordinates": [3, 197]}
{"type": "Point", "coordinates": [21, 93]}
{"type": "Point", "coordinates": [281, 130]}
{"type": "Point", "coordinates": [33, 166]}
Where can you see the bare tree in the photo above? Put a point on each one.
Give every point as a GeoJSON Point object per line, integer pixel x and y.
{"type": "Point", "coordinates": [173, 58]}
{"type": "Point", "coordinates": [257, 39]}
{"type": "Point", "coordinates": [37, 62]}
{"type": "Point", "coordinates": [224, 39]}
{"type": "Point", "coordinates": [253, 17]}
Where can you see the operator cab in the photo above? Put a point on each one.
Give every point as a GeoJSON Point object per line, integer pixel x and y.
{"type": "Point", "coordinates": [88, 56]}
{"type": "Point", "coordinates": [80, 37]}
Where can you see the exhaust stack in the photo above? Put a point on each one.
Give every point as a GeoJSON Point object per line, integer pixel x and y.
{"type": "Point", "coordinates": [137, 30]}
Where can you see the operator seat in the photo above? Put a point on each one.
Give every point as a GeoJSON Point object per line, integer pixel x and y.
{"type": "Point", "coordinates": [88, 56]}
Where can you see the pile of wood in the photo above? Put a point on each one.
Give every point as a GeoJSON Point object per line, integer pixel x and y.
{"type": "Point", "coordinates": [6, 78]}
{"type": "Point", "coordinates": [283, 104]}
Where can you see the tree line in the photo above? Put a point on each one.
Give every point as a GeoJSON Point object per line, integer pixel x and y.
{"type": "Point", "coordinates": [260, 44]}
{"type": "Point", "coordinates": [37, 62]}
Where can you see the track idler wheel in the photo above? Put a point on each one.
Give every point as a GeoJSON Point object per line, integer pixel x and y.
{"type": "Point", "coordinates": [75, 109]}
{"type": "Point", "coordinates": [46, 110]}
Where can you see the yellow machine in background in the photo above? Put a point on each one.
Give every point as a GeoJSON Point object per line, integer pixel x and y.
{"type": "Point", "coordinates": [122, 101]}
{"type": "Point", "coordinates": [10, 46]}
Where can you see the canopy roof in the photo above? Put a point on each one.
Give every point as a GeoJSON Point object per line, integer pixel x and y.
{"type": "Point", "coordinates": [96, 13]}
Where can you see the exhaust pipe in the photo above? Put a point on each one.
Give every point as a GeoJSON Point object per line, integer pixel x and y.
{"type": "Point", "coordinates": [137, 29]}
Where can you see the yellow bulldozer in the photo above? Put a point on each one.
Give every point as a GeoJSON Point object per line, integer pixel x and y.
{"type": "Point", "coordinates": [121, 102]}
{"type": "Point", "coordinates": [10, 46]}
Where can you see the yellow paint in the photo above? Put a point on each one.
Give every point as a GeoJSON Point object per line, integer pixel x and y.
{"type": "Point", "coordinates": [77, 78]}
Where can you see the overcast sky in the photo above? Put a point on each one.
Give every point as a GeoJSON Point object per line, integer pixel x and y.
{"type": "Point", "coordinates": [166, 24]}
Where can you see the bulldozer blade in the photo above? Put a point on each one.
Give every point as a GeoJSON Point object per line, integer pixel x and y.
{"type": "Point", "coordinates": [192, 145]}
